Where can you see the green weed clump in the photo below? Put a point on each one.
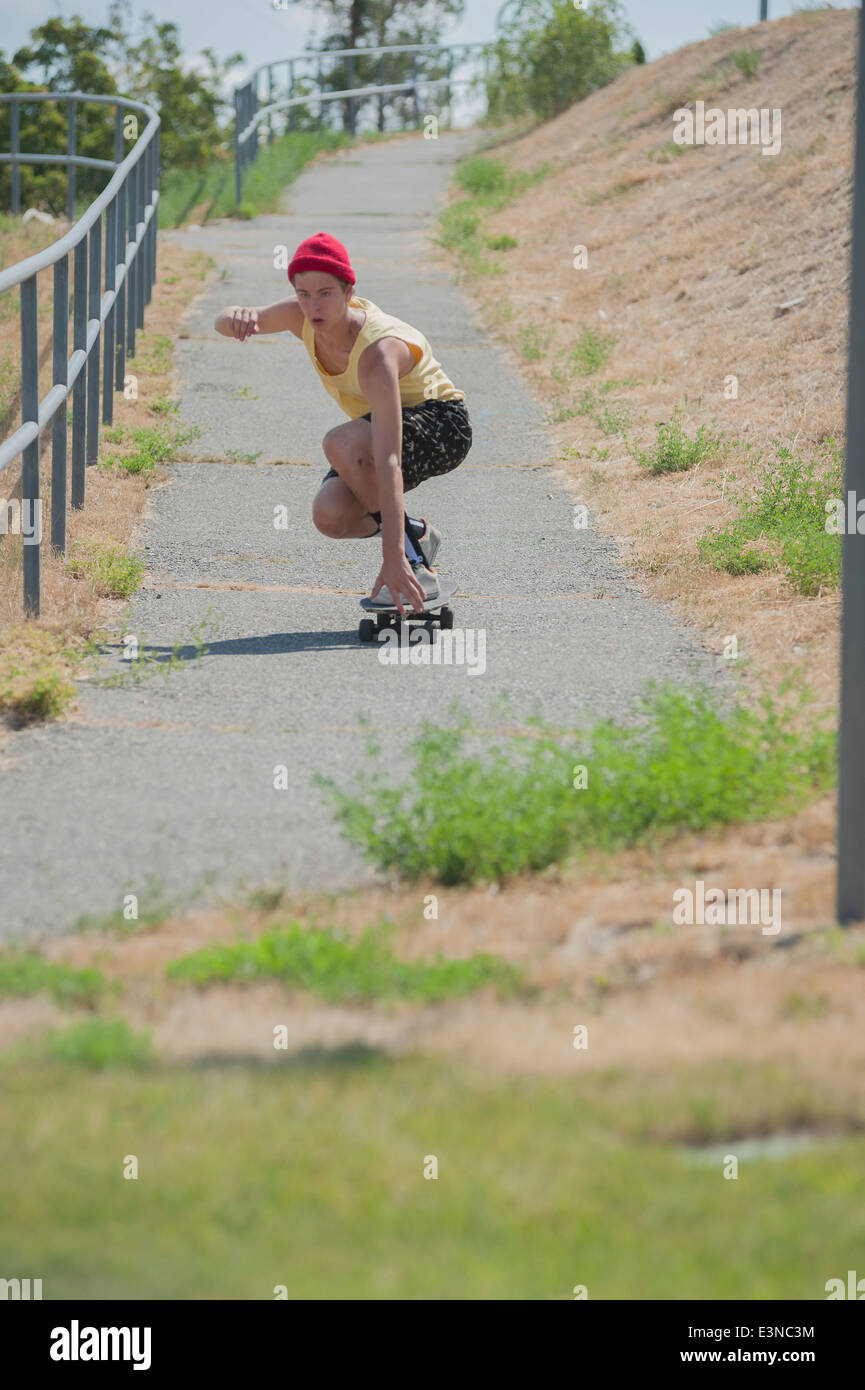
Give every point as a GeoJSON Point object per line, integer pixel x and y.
{"type": "Point", "coordinates": [489, 186]}
{"type": "Point", "coordinates": [674, 450]}
{"type": "Point", "coordinates": [100, 1043]}
{"type": "Point", "coordinates": [111, 570]}
{"type": "Point", "coordinates": [24, 973]}
{"type": "Point", "coordinates": [465, 816]}
{"type": "Point", "coordinates": [334, 965]}
{"type": "Point", "coordinates": [781, 522]}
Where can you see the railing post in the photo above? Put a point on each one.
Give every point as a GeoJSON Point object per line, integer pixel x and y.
{"type": "Point", "coordinates": [110, 284]}
{"type": "Point", "coordinates": [120, 329]}
{"type": "Point", "coordinates": [381, 98]}
{"type": "Point", "coordinates": [58, 424]}
{"type": "Point", "coordinates": [350, 104]}
{"type": "Point", "coordinates": [71, 116]}
{"type": "Point", "coordinates": [79, 392]}
{"type": "Point", "coordinates": [291, 110]}
{"type": "Point", "coordinates": [414, 88]}
{"type": "Point", "coordinates": [118, 134]}
{"type": "Point", "coordinates": [132, 270]}
{"type": "Point", "coordinates": [148, 235]}
{"type": "Point", "coordinates": [156, 207]}
{"type": "Point", "coordinates": [269, 102]}
{"type": "Point", "coordinates": [14, 148]}
{"type": "Point", "coordinates": [94, 283]}
{"type": "Point", "coordinates": [139, 255]}
{"type": "Point", "coordinates": [30, 457]}
{"type": "Point", "coordinates": [238, 176]}
{"type": "Point", "coordinates": [321, 103]}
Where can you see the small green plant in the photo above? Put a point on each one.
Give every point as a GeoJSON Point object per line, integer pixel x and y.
{"type": "Point", "coordinates": [163, 405]}
{"type": "Point", "coordinates": [781, 521]}
{"type": "Point", "coordinates": [747, 60]}
{"type": "Point", "coordinates": [25, 973]}
{"type": "Point", "coordinates": [100, 1043]}
{"type": "Point", "coordinates": [153, 354]}
{"type": "Point", "coordinates": [662, 154]}
{"type": "Point", "coordinates": [674, 450]}
{"type": "Point", "coordinates": [592, 350]}
{"type": "Point", "coordinates": [533, 343]}
{"type": "Point", "coordinates": [502, 242]}
{"type": "Point", "coordinates": [112, 572]}
{"type": "Point", "coordinates": [113, 435]}
{"type": "Point", "coordinates": [336, 966]}
{"type": "Point", "coordinates": [237, 456]}
{"type": "Point", "coordinates": [247, 391]}
{"type": "Point", "coordinates": [150, 661]}
{"type": "Point", "coordinates": [154, 445]}
{"type": "Point", "coordinates": [34, 667]}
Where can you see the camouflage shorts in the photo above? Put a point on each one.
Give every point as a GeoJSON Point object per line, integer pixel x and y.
{"type": "Point", "coordinates": [436, 436]}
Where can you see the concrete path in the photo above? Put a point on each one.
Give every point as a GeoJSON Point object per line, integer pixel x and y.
{"type": "Point", "coordinates": [163, 788]}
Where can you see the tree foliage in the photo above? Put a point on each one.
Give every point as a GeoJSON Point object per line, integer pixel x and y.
{"type": "Point", "coordinates": [553, 53]}
{"type": "Point", "coordinates": [67, 55]}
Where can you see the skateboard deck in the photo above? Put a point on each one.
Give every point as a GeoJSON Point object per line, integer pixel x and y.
{"type": "Point", "coordinates": [435, 611]}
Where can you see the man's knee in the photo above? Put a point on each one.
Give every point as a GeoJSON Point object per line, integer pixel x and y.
{"type": "Point", "coordinates": [344, 444]}
{"type": "Point", "coordinates": [329, 518]}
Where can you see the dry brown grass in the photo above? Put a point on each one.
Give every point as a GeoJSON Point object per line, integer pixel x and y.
{"type": "Point", "coordinates": [596, 940]}
{"type": "Point", "coordinates": [73, 608]}
{"type": "Point", "coordinates": [690, 257]}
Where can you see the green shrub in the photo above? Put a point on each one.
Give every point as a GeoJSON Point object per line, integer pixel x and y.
{"type": "Point", "coordinates": [466, 817]}
{"type": "Point", "coordinates": [592, 350]}
{"type": "Point", "coordinates": [337, 966]}
{"type": "Point", "coordinates": [24, 973]}
{"type": "Point", "coordinates": [674, 450]}
{"type": "Point", "coordinates": [100, 1043]}
{"type": "Point", "coordinates": [112, 572]}
{"type": "Point", "coordinates": [781, 522]}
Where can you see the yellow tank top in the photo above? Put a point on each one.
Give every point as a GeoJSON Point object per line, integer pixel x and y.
{"type": "Point", "coordinates": [426, 381]}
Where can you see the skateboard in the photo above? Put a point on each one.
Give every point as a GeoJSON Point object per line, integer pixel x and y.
{"type": "Point", "coordinates": [437, 611]}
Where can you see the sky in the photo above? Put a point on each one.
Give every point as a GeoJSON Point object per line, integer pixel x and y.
{"type": "Point", "coordinates": [263, 33]}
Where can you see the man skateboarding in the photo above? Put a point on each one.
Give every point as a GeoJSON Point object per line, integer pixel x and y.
{"type": "Point", "coordinates": [407, 420]}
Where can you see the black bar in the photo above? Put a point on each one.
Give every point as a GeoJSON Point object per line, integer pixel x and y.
{"type": "Point", "coordinates": [79, 390]}
{"type": "Point", "coordinates": [94, 283]}
{"type": "Point", "coordinates": [850, 898]}
{"type": "Point", "coordinates": [58, 424]}
{"type": "Point", "coordinates": [30, 457]}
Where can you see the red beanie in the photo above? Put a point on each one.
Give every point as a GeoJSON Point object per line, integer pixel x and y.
{"type": "Point", "coordinates": [324, 253]}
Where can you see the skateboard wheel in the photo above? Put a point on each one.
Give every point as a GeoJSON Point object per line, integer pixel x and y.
{"type": "Point", "coordinates": [366, 631]}
{"type": "Point", "coordinates": [447, 617]}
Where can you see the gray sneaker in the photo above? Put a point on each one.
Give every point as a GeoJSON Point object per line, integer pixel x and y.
{"type": "Point", "coordinates": [429, 543]}
{"type": "Point", "coordinates": [428, 580]}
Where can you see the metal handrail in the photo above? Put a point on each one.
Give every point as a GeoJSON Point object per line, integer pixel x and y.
{"type": "Point", "coordinates": [129, 202]}
{"type": "Point", "coordinates": [249, 115]}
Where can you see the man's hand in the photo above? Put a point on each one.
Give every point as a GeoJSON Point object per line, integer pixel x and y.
{"type": "Point", "coordinates": [396, 573]}
{"type": "Point", "coordinates": [243, 323]}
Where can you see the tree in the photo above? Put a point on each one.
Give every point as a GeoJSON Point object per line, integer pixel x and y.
{"type": "Point", "coordinates": [188, 99]}
{"type": "Point", "coordinates": [69, 56]}
{"type": "Point", "coordinates": [376, 23]}
{"type": "Point", "coordinates": [552, 54]}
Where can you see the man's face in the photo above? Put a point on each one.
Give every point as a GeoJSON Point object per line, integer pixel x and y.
{"type": "Point", "coordinates": [321, 297]}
